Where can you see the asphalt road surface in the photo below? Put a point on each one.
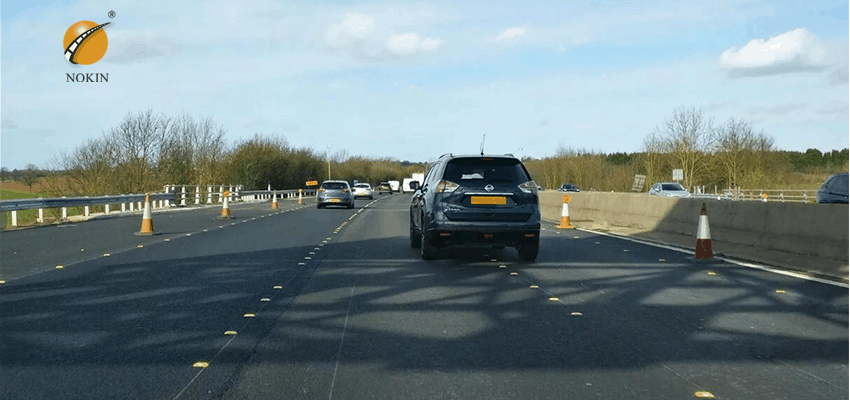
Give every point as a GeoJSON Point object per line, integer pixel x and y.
{"type": "Point", "coordinates": [334, 304]}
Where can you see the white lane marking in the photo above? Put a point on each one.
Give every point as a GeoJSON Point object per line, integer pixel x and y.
{"type": "Point", "coordinates": [341, 340]}
{"type": "Point", "coordinates": [730, 261]}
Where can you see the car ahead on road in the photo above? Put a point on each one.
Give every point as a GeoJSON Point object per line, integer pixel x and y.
{"type": "Point", "coordinates": [363, 190]}
{"type": "Point", "coordinates": [568, 187]}
{"type": "Point", "coordinates": [334, 193]}
{"type": "Point", "coordinates": [384, 187]}
{"type": "Point", "coordinates": [487, 200]}
{"type": "Point", "coordinates": [833, 189]}
{"type": "Point", "coordinates": [669, 189]}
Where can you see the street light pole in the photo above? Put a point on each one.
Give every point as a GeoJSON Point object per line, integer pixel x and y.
{"type": "Point", "coordinates": [329, 161]}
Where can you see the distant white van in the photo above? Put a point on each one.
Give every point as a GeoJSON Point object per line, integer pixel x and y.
{"type": "Point", "coordinates": [394, 186]}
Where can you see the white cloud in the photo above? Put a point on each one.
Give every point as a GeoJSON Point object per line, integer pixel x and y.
{"type": "Point", "coordinates": [407, 44]}
{"type": "Point", "coordinates": [430, 44]}
{"type": "Point", "coordinates": [353, 27]}
{"type": "Point", "coordinates": [797, 50]}
{"type": "Point", "coordinates": [511, 34]}
{"type": "Point", "coordinates": [834, 107]}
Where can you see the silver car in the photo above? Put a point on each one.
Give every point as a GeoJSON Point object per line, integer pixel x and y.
{"type": "Point", "coordinates": [363, 190]}
{"type": "Point", "coordinates": [334, 193]}
{"type": "Point", "coordinates": [669, 189]}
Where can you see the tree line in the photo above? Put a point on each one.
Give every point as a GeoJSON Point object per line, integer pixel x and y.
{"type": "Point", "coordinates": [146, 151]}
{"type": "Point", "coordinates": [727, 155]}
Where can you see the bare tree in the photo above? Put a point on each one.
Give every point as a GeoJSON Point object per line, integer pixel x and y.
{"type": "Point", "coordinates": [689, 138]}
{"type": "Point", "coordinates": [735, 143]}
{"type": "Point", "coordinates": [651, 157]}
{"type": "Point", "coordinates": [30, 176]}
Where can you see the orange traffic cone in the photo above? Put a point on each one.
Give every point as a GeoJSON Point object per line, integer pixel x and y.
{"type": "Point", "coordinates": [565, 214]}
{"type": "Point", "coordinates": [274, 200]}
{"type": "Point", "coordinates": [225, 209]}
{"type": "Point", "coordinates": [147, 222]}
{"type": "Point", "coordinates": [703, 249]}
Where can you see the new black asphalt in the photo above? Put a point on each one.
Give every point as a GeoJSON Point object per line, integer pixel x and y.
{"type": "Point", "coordinates": [365, 317]}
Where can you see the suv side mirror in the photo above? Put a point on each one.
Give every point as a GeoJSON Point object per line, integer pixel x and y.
{"type": "Point", "coordinates": [414, 185]}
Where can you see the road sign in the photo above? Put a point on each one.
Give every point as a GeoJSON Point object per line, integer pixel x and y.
{"type": "Point", "coordinates": [312, 183]}
{"type": "Point", "coordinates": [677, 175]}
{"type": "Point", "coordinates": [637, 185]}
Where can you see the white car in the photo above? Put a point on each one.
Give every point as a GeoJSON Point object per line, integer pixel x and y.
{"type": "Point", "coordinates": [669, 189]}
{"type": "Point", "coordinates": [363, 190]}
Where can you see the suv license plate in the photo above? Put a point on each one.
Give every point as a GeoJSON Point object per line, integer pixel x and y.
{"type": "Point", "coordinates": [334, 200]}
{"type": "Point", "coordinates": [498, 200]}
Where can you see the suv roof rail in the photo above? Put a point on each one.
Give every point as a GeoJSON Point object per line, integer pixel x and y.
{"type": "Point", "coordinates": [509, 154]}
{"type": "Point", "coordinates": [447, 154]}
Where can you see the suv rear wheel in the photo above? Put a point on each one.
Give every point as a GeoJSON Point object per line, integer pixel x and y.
{"type": "Point", "coordinates": [415, 239]}
{"type": "Point", "coordinates": [528, 250]}
{"type": "Point", "coordinates": [426, 249]}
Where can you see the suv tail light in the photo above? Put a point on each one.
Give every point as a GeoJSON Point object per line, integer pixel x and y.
{"type": "Point", "coordinates": [320, 191]}
{"type": "Point", "coordinates": [345, 190]}
{"type": "Point", "coordinates": [446, 186]}
{"type": "Point", "coordinates": [529, 187]}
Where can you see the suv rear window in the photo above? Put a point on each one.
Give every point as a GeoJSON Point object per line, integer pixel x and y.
{"type": "Point", "coordinates": [361, 185]}
{"type": "Point", "coordinates": [672, 186]}
{"type": "Point", "coordinates": [462, 170]}
{"type": "Point", "coordinates": [333, 185]}
{"type": "Point", "coordinates": [840, 184]}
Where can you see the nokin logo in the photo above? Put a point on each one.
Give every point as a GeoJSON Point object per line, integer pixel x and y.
{"type": "Point", "coordinates": [85, 42]}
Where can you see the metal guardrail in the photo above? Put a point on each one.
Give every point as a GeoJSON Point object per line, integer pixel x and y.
{"type": "Point", "coordinates": [60, 202]}
{"type": "Point", "coordinates": [772, 195]}
{"type": "Point", "coordinates": [175, 195]}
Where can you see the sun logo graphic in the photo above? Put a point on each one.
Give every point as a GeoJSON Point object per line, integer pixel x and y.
{"type": "Point", "coordinates": [85, 42]}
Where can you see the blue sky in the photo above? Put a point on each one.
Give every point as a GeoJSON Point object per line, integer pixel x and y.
{"type": "Point", "coordinates": [413, 80]}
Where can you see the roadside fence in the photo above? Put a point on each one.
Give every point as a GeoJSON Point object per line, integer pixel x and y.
{"type": "Point", "coordinates": [173, 196]}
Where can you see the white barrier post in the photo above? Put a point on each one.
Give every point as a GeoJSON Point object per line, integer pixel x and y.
{"type": "Point", "coordinates": [131, 206]}
{"type": "Point", "coordinates": [86, 211]}
{"type": "Point", "coordinates": [106, 209]}
{"type": "Point", "coordinates": [221, 193]}
{"type": "Point", "coordinates": [209, 194]}
{"type": "Point", "coordinates": [123, 207]}
{"type": "Point", "coordinates": [183, 197]}
{"type": "Point", "coordinates": [15, 218]}
{"type": "Point", "coordinates": [197, 195]}
{"type": "Point", "coordinates": [40, 215]}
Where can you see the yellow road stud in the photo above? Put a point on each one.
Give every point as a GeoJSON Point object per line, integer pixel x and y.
{"type": "Point", "coordinates": [553, 298]}
{"type": "Point", "coordinates": [278, 287]}
{"type": "Point", "coordinates": [780, 291]}
{"type": "Point", "coordinates": [249, 315]}
{"type": "Point", "coordinates": [533, 287]}
{"type": "Point", "coordinates": [704, 395]}
{"type": "Point", "coordinates": [60, 266]}
{"type": "Point", "coordinates": [514, 273]}
{"type": "Point", "coordinates": [201, 364]}
{"type": "Point", "coordinates": [576, 314]}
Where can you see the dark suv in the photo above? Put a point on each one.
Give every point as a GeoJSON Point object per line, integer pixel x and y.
{"type": "Point", "coordinates": [486, 200]}
{"type": "Point", "coordinates": [833, 189]}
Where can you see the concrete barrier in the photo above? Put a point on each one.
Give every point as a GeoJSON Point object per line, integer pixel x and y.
{"type": "Point", "coordinates": [801, 236]}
